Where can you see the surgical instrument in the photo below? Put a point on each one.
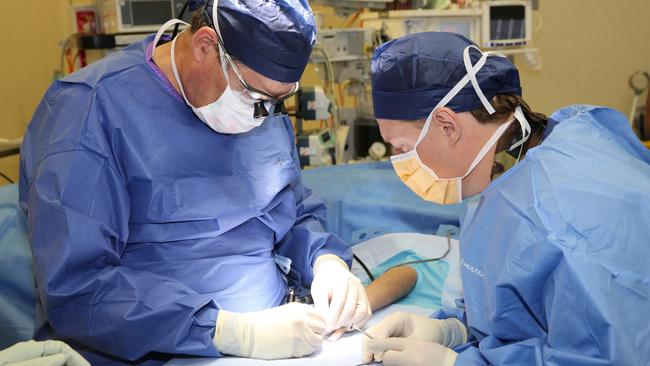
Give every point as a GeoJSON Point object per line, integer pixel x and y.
{"type": "Point", "coordinates": [362, 331]}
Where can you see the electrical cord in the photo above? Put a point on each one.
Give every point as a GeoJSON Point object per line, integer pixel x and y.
{"type": "Point", "coordinates": [363, 265]}
{"type": "Point", "coordinates": [365, 268]}
{"type": "Point", "coordinates": [334, 107]}
{"type": "Point", "coordinates": [7, 178]}
{"type": "Point", "coordinates": [428, 259]}
{"type": "Point", "coordinates": [180, 16]}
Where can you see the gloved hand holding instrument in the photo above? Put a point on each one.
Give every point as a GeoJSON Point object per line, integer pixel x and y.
{"type": "Point", "coordinates": [403, 338]}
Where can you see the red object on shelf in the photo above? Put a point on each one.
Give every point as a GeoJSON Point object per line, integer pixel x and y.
{"type": "Point", "coordinates": [86, 23]}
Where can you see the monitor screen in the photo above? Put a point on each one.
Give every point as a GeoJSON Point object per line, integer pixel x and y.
{"type": "Point", "coordinates": [507, 22]}
{"type": "Point", "coordinates": [151, 12]}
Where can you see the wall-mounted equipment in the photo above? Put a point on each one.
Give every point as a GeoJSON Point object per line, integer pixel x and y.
{"type": "Point", "coordinates": [127, 16]}
{"type": "Point", "coordinates": [506, 23]}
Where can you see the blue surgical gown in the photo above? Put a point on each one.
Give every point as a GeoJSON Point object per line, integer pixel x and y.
{"type": "Point", "coordinates": [144, 222]}
{"type": "Point", "coordinates": [555, 252]}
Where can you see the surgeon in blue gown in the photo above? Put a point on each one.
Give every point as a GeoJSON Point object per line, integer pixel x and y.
{"type": "Point", "coordinates": [554, 252]}
{"type": "Point", "coordinates": [164, 200]}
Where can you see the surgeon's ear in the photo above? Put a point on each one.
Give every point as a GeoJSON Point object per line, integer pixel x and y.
{"type": "Point", "coordinates": [447, 123]}
{"type": "Point", "coordinates": [204, 43]}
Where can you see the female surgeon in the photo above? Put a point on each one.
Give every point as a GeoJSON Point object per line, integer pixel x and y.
{"type": "Point", "coordinates": [554, 252]}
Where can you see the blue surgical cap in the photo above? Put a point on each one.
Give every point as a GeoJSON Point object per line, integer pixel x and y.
{"type": "Point", "coordinates": [411, 74]}
{"type": "Point", "coordinates": [272, 37]}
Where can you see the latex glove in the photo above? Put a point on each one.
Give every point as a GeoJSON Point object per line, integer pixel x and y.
{"type": "Point", "coordinates": [339, 295]}
{"type": "Point", "coordinates": [411, 352]}
{"type": "Point", "coordinates": [291, 330]}
{"type": "Point", "coordinates": [46, 353]}
{"type": "Point", "coordinates": [447, 332]}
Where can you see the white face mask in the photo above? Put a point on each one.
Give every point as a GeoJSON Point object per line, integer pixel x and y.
{"type": "Point", "coordinates": [228, 114]}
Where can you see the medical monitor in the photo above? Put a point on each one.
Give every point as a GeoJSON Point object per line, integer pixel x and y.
{"type": "Point", "coordinates": [506, 23]}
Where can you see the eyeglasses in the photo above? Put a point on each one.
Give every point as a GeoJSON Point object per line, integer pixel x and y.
{"type": "Point", "coordinates": [247, 93]}
{"type": "Point", "coordinates": [250, 95]}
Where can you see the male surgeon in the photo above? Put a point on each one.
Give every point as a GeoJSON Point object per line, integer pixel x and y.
{"type": "Point", "coordinates": [164, 200]}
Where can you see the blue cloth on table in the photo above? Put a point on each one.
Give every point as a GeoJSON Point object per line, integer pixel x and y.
{"type": "Point", "coordinates": [17, 296]}
{"type": "Point", "coordinates": [427, 292]}
{"type": "Point", "coordinates": [368, 200]}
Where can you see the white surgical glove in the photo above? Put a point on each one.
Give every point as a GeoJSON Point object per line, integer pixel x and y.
{"type": "Point", "coordinates": [339, 295]}
{"type": "Point", "coordinates": [46, 353]}
{"type": "Point", "coordinates": [291, 330]}
{"type": "Point", "coordinates": [447, 332]}
{"type": "Point", "coordinates": [411, 352]}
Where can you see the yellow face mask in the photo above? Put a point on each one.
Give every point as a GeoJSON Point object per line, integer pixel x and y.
{"type": "Point", "coordinates": [424, 181]}
{"type": "Point", "coordinates": [425, 184]}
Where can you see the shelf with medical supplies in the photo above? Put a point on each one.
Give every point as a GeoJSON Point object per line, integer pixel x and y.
{"type": "Point", "coordinates": [503, 27]}
{"type": "Point", "coordinates": [493, 24]}
{"type": "Point", "coordinates": [108, 41]}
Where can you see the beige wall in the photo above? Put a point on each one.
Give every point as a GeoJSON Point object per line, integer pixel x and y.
{"type": "Point", "coordinates": [589, 48]}
{"type": "Point", "coordinates": [30, 55]}
{"type": "Point", "coordinates": [27, 63]}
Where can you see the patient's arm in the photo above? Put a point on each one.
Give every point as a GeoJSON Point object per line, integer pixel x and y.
{"type": "Point", "coordinates": [391, 286]}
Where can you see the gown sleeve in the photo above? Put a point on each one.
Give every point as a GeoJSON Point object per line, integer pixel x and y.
{"type": "Point", "coordinates": [308, 239]}
{"type": "Point", "coordinates": [78, 205]}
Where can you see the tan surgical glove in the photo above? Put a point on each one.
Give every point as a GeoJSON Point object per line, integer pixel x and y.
{"type": "Point", "coordinates": [291, 330]}
{"type": "Point", "coordinates": [47, 353]}
{"type": "Point", "coordinates": [339, 294]}
{"type": "Point", "coordinates": [447, 332]}
{"type": "Point", "coordinates": [411, 352]}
